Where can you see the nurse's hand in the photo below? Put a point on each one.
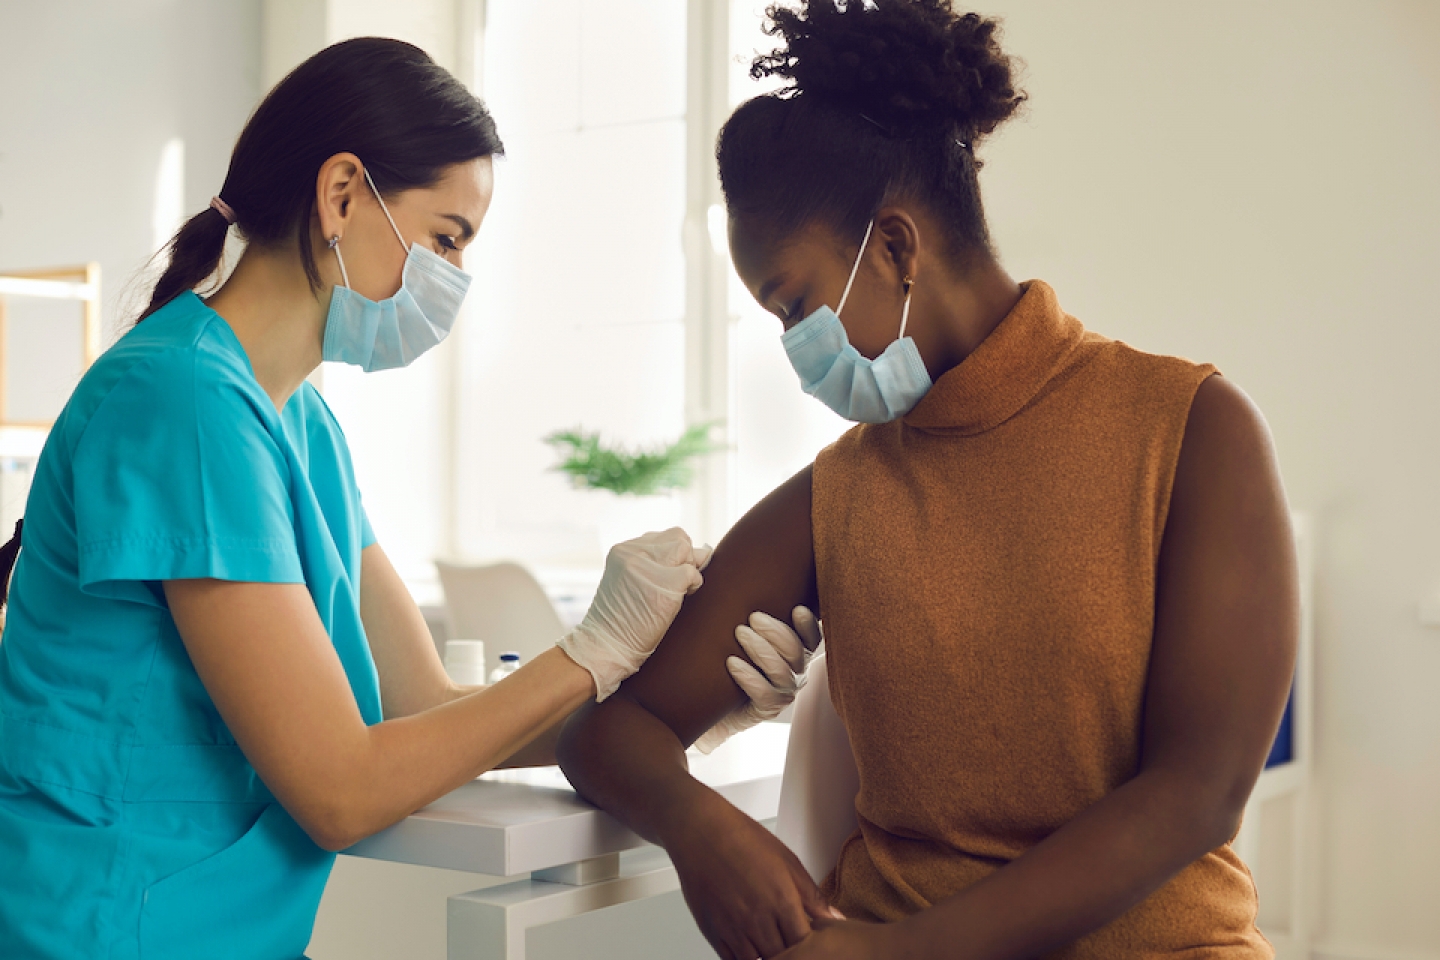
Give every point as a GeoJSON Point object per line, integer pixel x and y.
{"type": "Point", "coordinates": [645, 581]}
{"type": "Point", "coordinates": [782, 655]}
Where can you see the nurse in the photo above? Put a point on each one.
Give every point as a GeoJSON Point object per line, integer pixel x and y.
{"type": "Point", "coordinates": [212, 678]}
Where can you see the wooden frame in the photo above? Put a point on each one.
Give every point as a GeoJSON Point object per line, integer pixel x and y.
{"type": "Point", "coordinates": [80, 283]}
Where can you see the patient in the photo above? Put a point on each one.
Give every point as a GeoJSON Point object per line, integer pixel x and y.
{"type": "Point", "coordinates": [1056, 573]}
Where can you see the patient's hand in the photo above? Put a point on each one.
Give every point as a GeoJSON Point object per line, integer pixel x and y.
{"type": "Point", "coordinates": [848, 940]}
{"type": "Point", "coordinates": [749, 894]}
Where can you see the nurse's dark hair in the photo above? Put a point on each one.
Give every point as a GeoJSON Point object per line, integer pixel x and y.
{"type": "Point", "coordinates": [387, 102]}
{"type": "Point", "coordinates": [887, 101]}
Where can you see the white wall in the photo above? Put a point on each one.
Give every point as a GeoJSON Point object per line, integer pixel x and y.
{"type": "Point", "coordinates": [577, 314]}
{"type": "Point", "coordinates": [1256, 185]}
{"type": "Point", "coordinates": [91, 92]}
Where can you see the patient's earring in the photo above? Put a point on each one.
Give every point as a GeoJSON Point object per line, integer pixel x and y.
{"type": "Point", "coordinates": [906, 283]}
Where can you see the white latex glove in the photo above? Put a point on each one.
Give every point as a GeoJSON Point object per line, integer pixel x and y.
{"type": "Point", "coordinates": [645, 581]}
{"type": "Point", "coordinates": [783, 655]}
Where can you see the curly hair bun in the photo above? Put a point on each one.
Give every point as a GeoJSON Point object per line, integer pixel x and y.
{"type": "Point", "coordinates": [905, 65]}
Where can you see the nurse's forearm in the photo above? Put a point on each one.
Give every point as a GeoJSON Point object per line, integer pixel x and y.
{"type": "Point", "coordinates": [410, 762]}
{"type": "Point", "coordinates": [271, 668]}
{"type": "Point", "coordinates": [539, 752]}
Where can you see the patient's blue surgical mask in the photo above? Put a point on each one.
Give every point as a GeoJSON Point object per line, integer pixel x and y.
{"type": "Point", "coordinates": [836, 374]}
{"type": "Point", "coordinates": [393, 332]}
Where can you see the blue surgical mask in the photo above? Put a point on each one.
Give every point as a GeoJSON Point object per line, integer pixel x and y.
{"type": "Point", "coordinates": [393, 332]}
{"type": "Point", "coordinates": [836, 374]}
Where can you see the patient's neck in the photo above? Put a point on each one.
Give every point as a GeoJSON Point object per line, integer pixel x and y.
{"type": "Point", "coordinates": [954, 310]}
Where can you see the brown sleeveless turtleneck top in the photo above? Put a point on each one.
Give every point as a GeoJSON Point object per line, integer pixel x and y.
{"type": "Point", "coordinates": [987, 569]}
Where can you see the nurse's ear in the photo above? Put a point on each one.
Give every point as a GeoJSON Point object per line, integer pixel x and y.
{"type": "Point", "coordinates": [337, 186]}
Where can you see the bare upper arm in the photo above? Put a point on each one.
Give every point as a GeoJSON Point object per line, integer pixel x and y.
{"type": "Point", "coordinates": [766, 562]}
{"type": "Point", "coordinates": [412, 678]}
{"type": "Point", "coordinates": [1227, 603]}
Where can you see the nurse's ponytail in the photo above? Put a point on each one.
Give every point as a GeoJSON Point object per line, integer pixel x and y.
{"type": "Point", "coordinates": [8, 555]}
{"type": "Point", "coordinates": [194, 255]}
{"type": "Point", "coordinates": [886, 100]}
{"type": "Point", "coordinates": [383, 100]}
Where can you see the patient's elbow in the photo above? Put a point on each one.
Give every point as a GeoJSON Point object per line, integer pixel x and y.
{"type": "Point", "coordinates": [578, 742]}
{"type": "Point", "coordinates": [1210, 815]}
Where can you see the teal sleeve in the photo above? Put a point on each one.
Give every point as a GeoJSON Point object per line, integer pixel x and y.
{"type": "Point", "coordinates": [179, 475]}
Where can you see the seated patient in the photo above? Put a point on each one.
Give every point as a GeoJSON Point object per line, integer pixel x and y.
{"type": "Point", "coordinates": [1056, 573]}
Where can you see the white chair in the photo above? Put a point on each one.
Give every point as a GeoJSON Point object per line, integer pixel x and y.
{"type": "Point", "coordinates": [502, 604]}
{"type": "Point", "coordinates": [818, 789]}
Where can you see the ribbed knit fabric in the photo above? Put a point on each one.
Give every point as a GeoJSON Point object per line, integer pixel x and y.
{"type": "Point", "coordinates": [987, 571]}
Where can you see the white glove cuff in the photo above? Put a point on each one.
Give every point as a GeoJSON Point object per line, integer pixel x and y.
{"type": "Point", "coordinates": [729, 725]}
{"type": "Point", "coordinates": [598, 659]}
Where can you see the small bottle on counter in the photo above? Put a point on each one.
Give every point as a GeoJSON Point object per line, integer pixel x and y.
{"type": "Point", "coordinates": [465, 662]}
{"type": "Point", "coordinates": [509, 663]}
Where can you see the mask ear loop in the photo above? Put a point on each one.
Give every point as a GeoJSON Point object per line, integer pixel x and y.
{"type": "Point", "coordinates": [398, 235]}
{"type": "Point", "coordinates": [335, 245]}
{"type": "Point", "coordinates": [856, 268]}
{"type": "Point", "coordinates": [905, 310]}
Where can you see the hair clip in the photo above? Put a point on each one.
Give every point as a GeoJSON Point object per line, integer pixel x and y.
{"type": "Point", "coordinates": [876, 124]}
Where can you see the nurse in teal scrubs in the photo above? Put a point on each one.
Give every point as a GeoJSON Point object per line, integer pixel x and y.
{"type": "Point", "coordinates": [211, 677]}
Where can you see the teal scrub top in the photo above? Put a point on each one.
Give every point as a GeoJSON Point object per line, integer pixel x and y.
{"type": "Point", "coordinates": [131, 825]}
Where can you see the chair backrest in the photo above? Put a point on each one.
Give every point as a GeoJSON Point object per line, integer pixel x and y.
{"type": "Point", "coordinates": [818, 789]}
{"type": "Point", "coordinates": [502, 604]}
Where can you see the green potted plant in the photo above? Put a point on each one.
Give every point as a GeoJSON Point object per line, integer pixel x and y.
{"type": "Point", "coordinates": [644, 482]}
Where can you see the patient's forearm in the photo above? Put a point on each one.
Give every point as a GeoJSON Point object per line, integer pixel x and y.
{"type": "Point", "coordinates": [622, 758]}
{"type": "Point", "coordinates": [1081, 878]}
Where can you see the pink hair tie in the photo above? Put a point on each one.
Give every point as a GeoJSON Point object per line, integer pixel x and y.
{"type": "Point", "coordinates": [224, 209]}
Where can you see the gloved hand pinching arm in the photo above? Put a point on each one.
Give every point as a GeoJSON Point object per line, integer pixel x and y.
{"type": "Point", "coordinates": [782, 655]}
{"type": "Point", "coordinates": [645, 582]}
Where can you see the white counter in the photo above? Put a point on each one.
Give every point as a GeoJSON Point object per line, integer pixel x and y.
{"type": "Point", "coordinates": [516, 821]}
